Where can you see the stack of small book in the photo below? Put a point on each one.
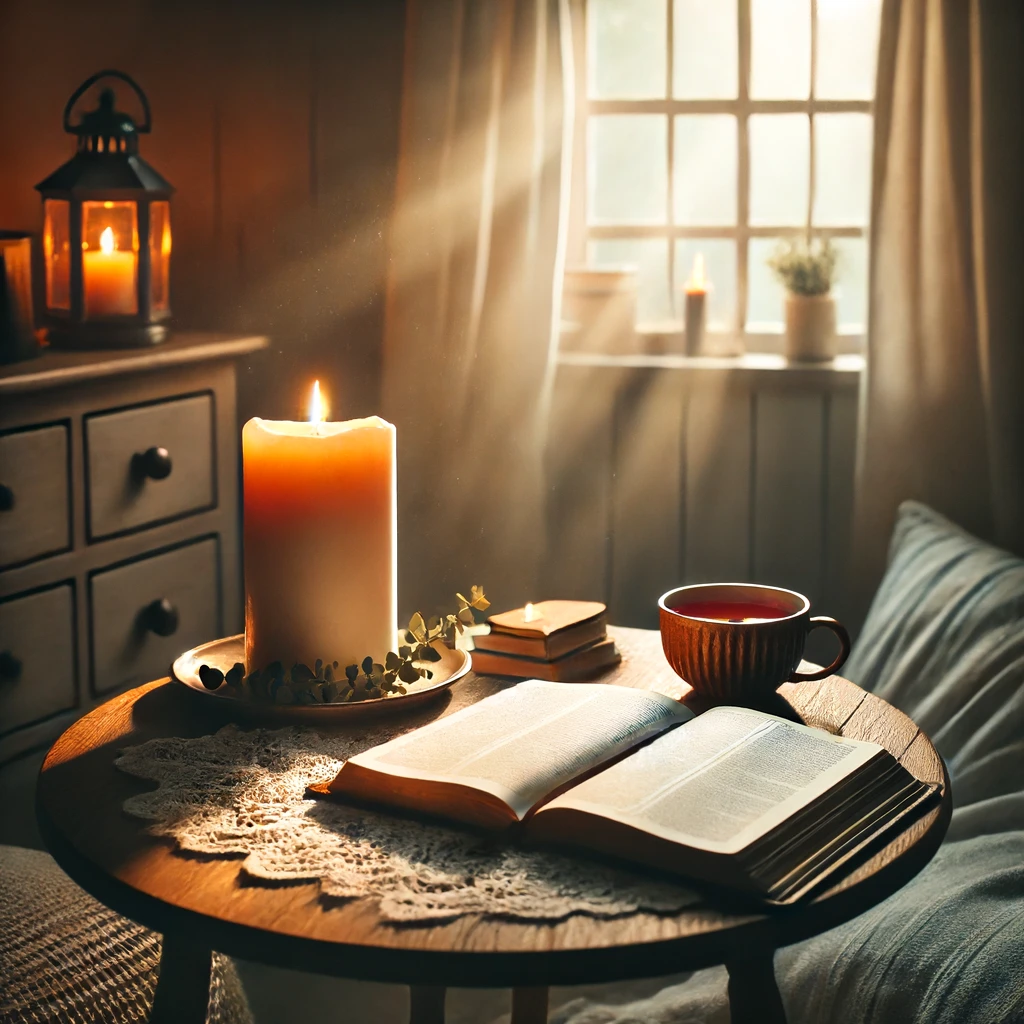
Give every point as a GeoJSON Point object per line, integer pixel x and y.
{"type": "Point", "coordinates": [560, 641]}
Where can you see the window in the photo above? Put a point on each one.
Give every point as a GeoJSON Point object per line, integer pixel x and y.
{"type": "Point", "coordinates": [719, 127]}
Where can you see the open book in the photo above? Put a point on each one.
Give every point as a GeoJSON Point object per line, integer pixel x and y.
{"type": "Point", "coordinates": [734, 797]}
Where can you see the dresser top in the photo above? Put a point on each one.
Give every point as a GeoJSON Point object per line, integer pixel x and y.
{"type": "Point", "coordinates": [59, 368]}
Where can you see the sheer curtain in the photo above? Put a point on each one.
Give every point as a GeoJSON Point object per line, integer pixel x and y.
{"type": "Point", "coordinates": [942, 414]}
{"type": "Point", "coordinates": [471, 315]}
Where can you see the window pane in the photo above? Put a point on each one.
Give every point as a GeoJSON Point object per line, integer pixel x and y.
{"type": "Point", "coordinates": [847, 49]}
{"type": "Point", "coordinates": [780, 49]}
{"type": "Point", "coordinates": [851, 288]}
{"type": "Point", "coordinates": [627, 50]}
{"type": "Point", "coordinates": [765, 294]}
{"type": "Point", "coordinates": [779, 168]}
{"type": "Point", "coordinates": [628, 169]}
{"type": "Point", "coordinates": [842, 155]}
{"type": "Point", "coordinates": [650, 257]}
{"type": "Point", "coordinates": [720, 270]}
{"type": "Point", "coordinates": [705, 59]}
{"type": "Point", "coordinates": [705, 169]}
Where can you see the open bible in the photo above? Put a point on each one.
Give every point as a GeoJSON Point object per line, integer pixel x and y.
{"type": "Point", "coordinates": [734, 797]}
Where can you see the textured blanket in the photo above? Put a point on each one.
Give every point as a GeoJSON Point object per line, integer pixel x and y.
{"type": "Point", "coordinates": [943, 641]}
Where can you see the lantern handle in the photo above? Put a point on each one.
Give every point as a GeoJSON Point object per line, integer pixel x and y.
{"type": "Point", "coordinates": [91, 81]}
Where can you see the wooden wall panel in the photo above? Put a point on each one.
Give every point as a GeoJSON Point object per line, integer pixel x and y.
{"type": "Point", "coordinates": [278, 125]}
{"type": "Point", "coordinates": [718, 478]}
{"type": "Point", "coordinates": [663, 475]}
{"type": "Point", "coordinates": [789, 531]}
{"type": "Point", "coordinates": [579, 462]}
{"type": "Point", "coordinates": [839, 476]}
{"type": "Point", "coordinates": [648, 468]}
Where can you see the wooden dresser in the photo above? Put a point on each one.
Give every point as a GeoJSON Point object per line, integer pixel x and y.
{"type": "Point", "coordinates": [119, 532]}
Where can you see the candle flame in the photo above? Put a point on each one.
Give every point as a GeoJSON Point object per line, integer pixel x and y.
{"type": "Point", "coordinates": [529, 612]}
{"type": "Point", "coordinates": [697, 282]}
{"type": "Point", "coordinates": [107, 241]}
{"type": "Point", "coordinates": [317, 406]}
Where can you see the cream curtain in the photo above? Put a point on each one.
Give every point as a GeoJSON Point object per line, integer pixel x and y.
{"type": "Point", "coordinates": [942, 411]}
{"type": "Point", "coordinates": [476, 249]}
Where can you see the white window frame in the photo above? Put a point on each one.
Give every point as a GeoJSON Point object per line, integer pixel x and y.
{"type": "Point", "coordinates": [742, 107]}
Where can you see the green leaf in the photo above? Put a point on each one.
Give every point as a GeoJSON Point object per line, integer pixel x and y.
{"type": "Point", "coordinates": [477, 599]}
{"type": "Point", "coordinates": [318, 668]}
{"type": "Point", "coordinates": [352, 671]}
{"type": "Point", "coordinates": [367, 665]}
{"type": "Point", "coordinates": [408, 673]}
{"type": "Point", "coordinates": [418, 627]}
{"type": "Point", "coordinates": [466, 616]}
{"type": "Point", "coordinates": [302, 674]}
{"type": "Point", "coordinates": [392, 661]}
{"type": "Point", "coordinates": [432, 654]}
{"type": "Point", "coordinates": [404, 652]}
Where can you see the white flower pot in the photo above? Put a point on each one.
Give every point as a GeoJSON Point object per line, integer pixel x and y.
{"type": "Point", "coordinates": [810, 327]}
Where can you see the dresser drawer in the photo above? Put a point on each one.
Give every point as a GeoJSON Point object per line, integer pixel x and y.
{"type": "Point", "coordinates": [146, 613]}
{"type": "Point", "coordinates": [37, 656]}
{"type": "Point", "coordinates": [34, 518]}
{"type": "Point", "coordinates": [149, 464]}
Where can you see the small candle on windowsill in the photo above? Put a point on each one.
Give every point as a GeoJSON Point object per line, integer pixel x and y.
{"type": "Point", "coordinates": [696, 291]}
{"type": "Point", "coordinates": [320, 540]}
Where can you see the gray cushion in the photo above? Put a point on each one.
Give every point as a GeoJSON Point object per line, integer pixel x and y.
{"type": "Point", "coordinates": [66, 958]}
{"type": "Point", "coordinates": [943, 641]}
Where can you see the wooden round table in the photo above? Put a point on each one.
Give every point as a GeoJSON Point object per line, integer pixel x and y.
{"type": "Point", "coordinates": [202, 903]}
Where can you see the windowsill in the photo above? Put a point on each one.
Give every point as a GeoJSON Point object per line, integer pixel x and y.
{"type": "Point", "coordinates": [656, 342]}
{"type": "Point", "coordinates": [766, 367]}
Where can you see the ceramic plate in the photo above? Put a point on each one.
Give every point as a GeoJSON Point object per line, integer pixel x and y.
{"type": "Point", "coordinates": [224, 653]}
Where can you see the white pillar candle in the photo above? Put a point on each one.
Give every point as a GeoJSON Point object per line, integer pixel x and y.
{"type": "Point", "coordinates": [320, 541]}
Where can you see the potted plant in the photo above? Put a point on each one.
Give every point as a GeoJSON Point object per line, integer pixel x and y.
{"type": "Point", "coordinates": [807, 269]}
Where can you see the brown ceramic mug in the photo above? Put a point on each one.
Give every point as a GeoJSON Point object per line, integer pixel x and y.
{"type": "Point", "coordinates": [736, 643]}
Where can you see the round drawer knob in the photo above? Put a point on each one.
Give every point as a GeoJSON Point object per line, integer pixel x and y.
{"type": "Point", "coordinates": [10, 666]}
{"type": "Point", "coordinates": [152, 464]}
{"type": "Point", "coordinates": [161, 617]}
{"type": "Point", "coordinates": [6, 498]}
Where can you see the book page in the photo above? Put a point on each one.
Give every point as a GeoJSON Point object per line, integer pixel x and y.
{"type": "Point", "coordinates": [720, 781]}
{"type": "Point", "coordinates": [528, 740]}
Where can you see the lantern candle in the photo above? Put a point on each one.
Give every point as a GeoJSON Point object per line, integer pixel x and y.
{"type": "Point", "coordinates": [696, 306]}
{"type": "Point", "coordinates": [320, 540]}
{"type": "Point", "coordinates": [109, 279]}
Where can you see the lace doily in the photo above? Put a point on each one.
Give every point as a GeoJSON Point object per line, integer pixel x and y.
{"type": "Point", "coordinates": [239, 793]}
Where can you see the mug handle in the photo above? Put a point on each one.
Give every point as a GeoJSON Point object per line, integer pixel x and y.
{"type": "Point", "coordinates": [844, 649]}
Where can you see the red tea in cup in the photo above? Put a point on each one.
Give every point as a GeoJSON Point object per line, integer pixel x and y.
{"type": "Point", "coordinates": [738, 642]}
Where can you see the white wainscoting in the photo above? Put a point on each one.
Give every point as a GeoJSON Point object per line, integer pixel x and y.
{"type": "Point", "coordinates": [668, 470]}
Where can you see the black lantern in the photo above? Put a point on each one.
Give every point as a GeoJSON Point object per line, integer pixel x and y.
{"type": "Point", "coordinates": [106, 232]}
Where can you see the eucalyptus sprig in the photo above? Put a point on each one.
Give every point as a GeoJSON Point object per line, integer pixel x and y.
{"type": "Point", "coordinates": [367, 680]}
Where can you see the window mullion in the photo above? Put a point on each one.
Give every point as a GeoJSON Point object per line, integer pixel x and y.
{"type": "Point", "coordinates": [812, 170]}
{"type": "Point", "coordinates": [670, 136]}
{"type": "Point", "coordinates": [743, 168]}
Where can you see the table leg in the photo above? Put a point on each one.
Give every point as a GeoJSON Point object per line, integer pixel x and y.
{"type": "Point", "coordinates": [529, 1005]}
{"type": "Point", "coordinates": [753, 994]}
{"type": "Point", "coordinates": [183, 987]}
{"type": "Point", "coordinates": [426, 1004]}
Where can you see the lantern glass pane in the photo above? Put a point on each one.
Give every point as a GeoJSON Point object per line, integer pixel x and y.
{"type": "Point", "coordinates": [160, 256]}
{"type": "Point", "coordinates": [57, 252]}
{"type": "Point", "coordinates": [110, 259]}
